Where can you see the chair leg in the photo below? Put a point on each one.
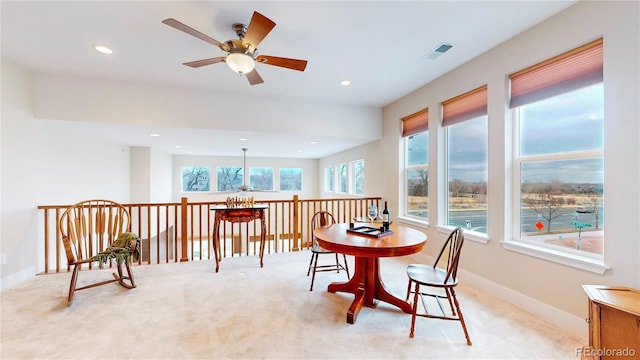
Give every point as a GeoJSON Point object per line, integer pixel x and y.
{"type": "Point", "coordinates": [121, 278]}
{"type": "Point", "coordinates": [313, 275]}
{"type": "Point", "coordinates": [464, 326]}
{"type": "Point", "coordinates": [449, 296]}
{"type": "Point", "coordinates": [408, 290]}
{"type": "Point", "coordinates": [130, 274]}
{"type": "Point", "coordinates": [414, 309]}
{"type": "Point", "coordinates": [310, 263]}
{"type": "Point", "coordinates": [72, 285]}
{"type": "Point", "coordinates": [346, 266]}
{"type": "Point", "coordinates": [337, 264]}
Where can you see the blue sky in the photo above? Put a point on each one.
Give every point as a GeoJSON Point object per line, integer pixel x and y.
{"type": "Point", "coordinates": [573, 121]}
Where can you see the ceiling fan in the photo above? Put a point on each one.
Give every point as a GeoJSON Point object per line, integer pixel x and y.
{"type": "Point", "coordinates": [242, 53]}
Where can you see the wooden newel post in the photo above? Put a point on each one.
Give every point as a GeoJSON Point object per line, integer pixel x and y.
{"type": "Point", "coordinates": [296, 231]}
{"type": "Point", "coordinates": [183, 229]}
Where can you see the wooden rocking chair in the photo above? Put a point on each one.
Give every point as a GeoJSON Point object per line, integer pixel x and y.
{"type": "Point", "coordinates": [96, 231]}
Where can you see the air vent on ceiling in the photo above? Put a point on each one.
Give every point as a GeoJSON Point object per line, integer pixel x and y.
{"type": "Point", "coordinates": [439, 50]}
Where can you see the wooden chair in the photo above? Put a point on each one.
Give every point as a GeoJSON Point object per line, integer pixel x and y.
{"type": "Point", "coordinates": [441, 278]}
{"type": "Point", "coordinates": [322, 218]}
{"type": "Point", "coordinates": [96, 231]}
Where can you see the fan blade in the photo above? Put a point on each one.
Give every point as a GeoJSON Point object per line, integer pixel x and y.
{"type": "Point", "coordinates": [257, 30]}
{"type": "Point", "coordinates": [293, 64]}
{"type": "Point", "coordinates": [203, 62]}
{"type": "Point", "coordinates": [254, 78]}
{"type": "Point", "coordinates": [191, 31]}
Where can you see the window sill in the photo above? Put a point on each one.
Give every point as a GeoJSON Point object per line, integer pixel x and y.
{"type": "Point", "coordinates": [422, 224]}
{"type": "Point", "coordinates": [576, 261]}
{"type": "Point", "coordinates": [468, 234]}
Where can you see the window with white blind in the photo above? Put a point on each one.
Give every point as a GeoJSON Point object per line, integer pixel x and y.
{"type": "Point", "coordinates": [465, 121]}
{"type": "Point", "coordinates": [558, 167]}
{"type": "Point", "coordinates": [416, 170]}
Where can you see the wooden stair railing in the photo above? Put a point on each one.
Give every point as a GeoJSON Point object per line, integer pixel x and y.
{"type": "Point", "coordinates": [178, 232]}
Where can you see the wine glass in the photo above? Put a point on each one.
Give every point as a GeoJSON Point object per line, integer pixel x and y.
{"type": "Point", "coordinates": [372, 212]}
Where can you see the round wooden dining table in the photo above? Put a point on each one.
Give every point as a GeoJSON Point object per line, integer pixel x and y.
{"type": "Point", "coordinates": [366, 284]}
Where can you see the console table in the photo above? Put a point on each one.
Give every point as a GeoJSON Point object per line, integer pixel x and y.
{"type": "Point", "coordinates": [238, 215]}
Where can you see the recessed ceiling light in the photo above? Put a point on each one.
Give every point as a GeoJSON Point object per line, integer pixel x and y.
{"type": "Point", "coordinates": [242, 139]}
{"type": "Point", "coordinates": [178, 146]}
{"type": "Point", "coordinates": [314, 142]}
{"type": "Point", "coordinates": [103, 49]}
{"type": "Point", "coordinates": [154, 135]}
{"type": "Point", "coordinates": [345, 82]}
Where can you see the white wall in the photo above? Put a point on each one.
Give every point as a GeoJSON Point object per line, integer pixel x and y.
{"type": "Point", "coordinates": [548, 283]}
{"type": "Point", "coordinates": [150, 175]}
{"type": "Point", "coordinates": [45, 163]}
{"type": "Point", "coordinates": [161, 177]}
{"type": "Point", "coordinates": [64, 97]}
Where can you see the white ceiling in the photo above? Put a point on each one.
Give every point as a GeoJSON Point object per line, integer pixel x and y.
{"type": "Point", "coordinates": [379, 45]}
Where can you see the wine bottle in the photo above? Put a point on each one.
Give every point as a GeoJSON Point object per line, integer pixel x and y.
{"type": "Point", "coordinates": [385, 217]}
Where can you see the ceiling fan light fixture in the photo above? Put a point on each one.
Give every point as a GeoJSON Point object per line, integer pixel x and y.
{"type": "Point", "coordinates": [240, 63]}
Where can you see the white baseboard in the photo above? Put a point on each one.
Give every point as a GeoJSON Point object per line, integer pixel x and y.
{"type": "Point", "coordinates": [561, 318]}
{"type": "Point", "coordinates": [7, 282]}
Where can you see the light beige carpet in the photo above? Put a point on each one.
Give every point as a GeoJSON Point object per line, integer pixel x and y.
{"type": "Point", "coordinates": [187, 311]}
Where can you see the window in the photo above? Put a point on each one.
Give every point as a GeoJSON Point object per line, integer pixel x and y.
{"type": "Point", "coordinates": [261, 178]}
{"type": "Point", "coordinates": [196, 178]}
{"type": "Point", "coordinates": [290, 179]}
{"type": "Point", "coordinates": [558, 152]}
{"type": "Point", "coordinates": [357, 177]}
{"type": "Point", "coordinates": [416, 138]}
{"type": "Point", "coordinates": [342, 178]}
{"type": "Point", "coordinates": [465, 123]}
{"type": "Point", "coordinates": [229, 178]}
{"type": "Point", "coordinates": [329, 178]}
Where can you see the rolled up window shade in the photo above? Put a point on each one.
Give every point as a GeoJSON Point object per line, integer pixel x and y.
{"type": "Point", "coordinates": [415, 123]}
{"type": "Point", "coordinates": [566, 72]}
{"type": "Point", "coordinates": [464, 107]}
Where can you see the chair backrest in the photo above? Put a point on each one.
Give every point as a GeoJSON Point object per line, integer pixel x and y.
{"type": "Point", "coordinates": [89, 226]}
{"type": "Point", "coordinates": [451, 249]}
{"type": "Point", "coordinates": [321, 218]}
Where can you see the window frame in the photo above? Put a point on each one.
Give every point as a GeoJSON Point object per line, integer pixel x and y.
{"type": "Point", "coordinates": [200, 170]}
{"type": "Point", "coordinates": [569, 71]}
{"type": "Point", "coordinates": [251, 185]}
{"type": "Point", "coordinates": [280, 182]}
{"type": "Point", "coordinates": [329, 178]}
{"type": "Point", "coordinates": [466, 107]}
{"type": "Point", "coordinates": [353, 177]}
{"type": "Point", "coordinates": [240, 182]}
{"type": "Point", "coordinates": [477, 236]}
{"type": "Point", "coordinates": [517, 188]}
{"type": "Point", "coordinates": [515, 242]}
{"type": "Point", "coordinates": [407, 169]}
{"type": "Point", "coordinates": [340, 181]}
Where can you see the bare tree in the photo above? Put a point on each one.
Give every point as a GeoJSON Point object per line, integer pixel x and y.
{"type": "Point", "coordinates": [545, 204]}
{"type": "Point", "coordinates": [196, 178]}
{"type": "Point", "coordinates": [457, 188]}
{"type": "Point", "coordinates": [421, 186]}
{"type": "Point", "coordinates": [594, 208]}
{"type": "Point", "coordinates": [229, 178]}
